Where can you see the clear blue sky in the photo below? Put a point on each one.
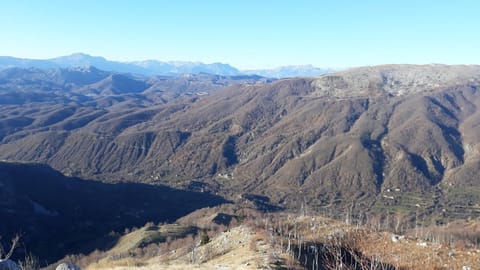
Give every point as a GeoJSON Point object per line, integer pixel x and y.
{"type": "Point", "coordinates": [246, 33]}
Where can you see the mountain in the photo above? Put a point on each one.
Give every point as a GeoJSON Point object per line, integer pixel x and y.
{"type": "Point", "coordinates": [179, 67]}
{"type": "Point", "coordinates": [147, 68]}
{"type": "Point", "coordinates": [290, 71]}
{"type": "Point", "coordinates": [154, 67]}
{"type": "Point", "coordinates": [372, 139]}
{"type": "Point", "coordinates": [85, 60]}
{"type": "Point", "coordinates": [24, 85]}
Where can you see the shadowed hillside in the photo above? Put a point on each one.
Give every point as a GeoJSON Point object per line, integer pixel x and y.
{"type": "Point", "coordinates": [58, 215]}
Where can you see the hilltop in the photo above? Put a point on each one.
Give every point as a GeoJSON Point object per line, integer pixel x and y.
{"type": "Point", "coordinates": [290, 241]}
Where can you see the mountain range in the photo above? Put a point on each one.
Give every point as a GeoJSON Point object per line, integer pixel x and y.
{"type": "Point", "coordinates": [371, 138]}
{"type": "Point", "coordinates": [382, 140]}
{"type": "Point", "coordinates": [154, 67]}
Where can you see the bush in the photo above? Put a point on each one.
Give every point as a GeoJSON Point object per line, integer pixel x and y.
{"type": "Point", "coordinates": [204, 238]}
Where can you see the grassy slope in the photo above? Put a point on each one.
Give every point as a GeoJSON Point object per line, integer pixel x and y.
{"type": "Point", "coordinates": [251, 247]}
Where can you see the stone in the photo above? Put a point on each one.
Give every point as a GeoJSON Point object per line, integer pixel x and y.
{"type": "Point", "coordinates": [67, 266]}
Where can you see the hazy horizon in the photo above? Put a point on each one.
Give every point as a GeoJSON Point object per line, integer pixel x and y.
{"type": "Point", "coordinates": [163, 60]}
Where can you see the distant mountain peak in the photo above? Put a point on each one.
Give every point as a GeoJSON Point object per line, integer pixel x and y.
{"type": "Point", "coordinates": [156, 67]}
{"type": "Point", "coordinates": [80, 56]}
{"type": "Point", "coordinates": [291, 71]}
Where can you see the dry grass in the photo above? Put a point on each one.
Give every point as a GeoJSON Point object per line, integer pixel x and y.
{"type": "Point", "coordinates": [150, 234]}
{"type": "Point", "coordinates": [121, 263]}
{"type": "Point", "coordinates": [411, 253]}
{"type": "Point", "coordinates": [229, 250]}
{"type": "Point", "coordinates": [406, 253]}
{"type": "Point", "coordinates": [273, 241]}
{"type": "Point", "coordinates": [462, 234]}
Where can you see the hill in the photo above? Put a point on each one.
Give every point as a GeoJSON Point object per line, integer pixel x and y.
{"type": "Point", "coordinates": [378, 139]}
{"type": "Point", "coordinates": [289, 241]}
{"type": "Point", "coordinates": [59, 215]}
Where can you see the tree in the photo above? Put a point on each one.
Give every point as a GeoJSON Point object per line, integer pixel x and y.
{"type": "Point", "coordinates": [6, 255]}
{"type": "Point", "coordinates": [30, 263]}
{"type": "Point", "coordinates": [204, 238]}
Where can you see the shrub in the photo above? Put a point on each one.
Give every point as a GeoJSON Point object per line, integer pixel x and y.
{"type": "Point", "coordinates": [204, 239]}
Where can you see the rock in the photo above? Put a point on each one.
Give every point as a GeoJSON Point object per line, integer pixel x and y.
{"type": "Point", "coordinates": [8, 265]}
{"type": "Point", "coordinates": [397, 238]}
{"type": "Point", "coordinates": [466, 267]}
{"type": "Point", "coordinates": [67, 266]}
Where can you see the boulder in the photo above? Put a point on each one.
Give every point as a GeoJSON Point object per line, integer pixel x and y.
{"type": "Point", "coordinates": [67, 266]}
{"type": "Point", "coordinates": [397, 238]}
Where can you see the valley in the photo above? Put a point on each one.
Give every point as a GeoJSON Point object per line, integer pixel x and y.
{"type": "Point", "coordinates": [357, 134]}
{"type": "Point", "coordinates": [374, 141]}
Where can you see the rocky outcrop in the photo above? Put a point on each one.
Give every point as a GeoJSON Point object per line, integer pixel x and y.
{"type": "Point", "coordinates": [67, 266]}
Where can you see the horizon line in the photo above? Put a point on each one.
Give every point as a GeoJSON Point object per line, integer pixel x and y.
{"type": "Point", "coordinates": [327, 67]}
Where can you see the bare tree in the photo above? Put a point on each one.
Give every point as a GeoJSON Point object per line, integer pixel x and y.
{"type": "Point", "coordinates": [399, 220]}
{"type": "Point", "coordinates": [30, 263]}
{"type": "Point", "coordinates": [6, 255]}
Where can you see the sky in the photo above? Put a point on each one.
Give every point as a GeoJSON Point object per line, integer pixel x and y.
{"type": "Point", "coordinates": [246, 33]}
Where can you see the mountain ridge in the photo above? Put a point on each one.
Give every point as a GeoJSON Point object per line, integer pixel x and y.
{"type": "Point", "coordinates": [352, 136]}
{"type": "Point", "coordinates": [19, 85]}
{"type": "Point", "coordinates": [155, 67]}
